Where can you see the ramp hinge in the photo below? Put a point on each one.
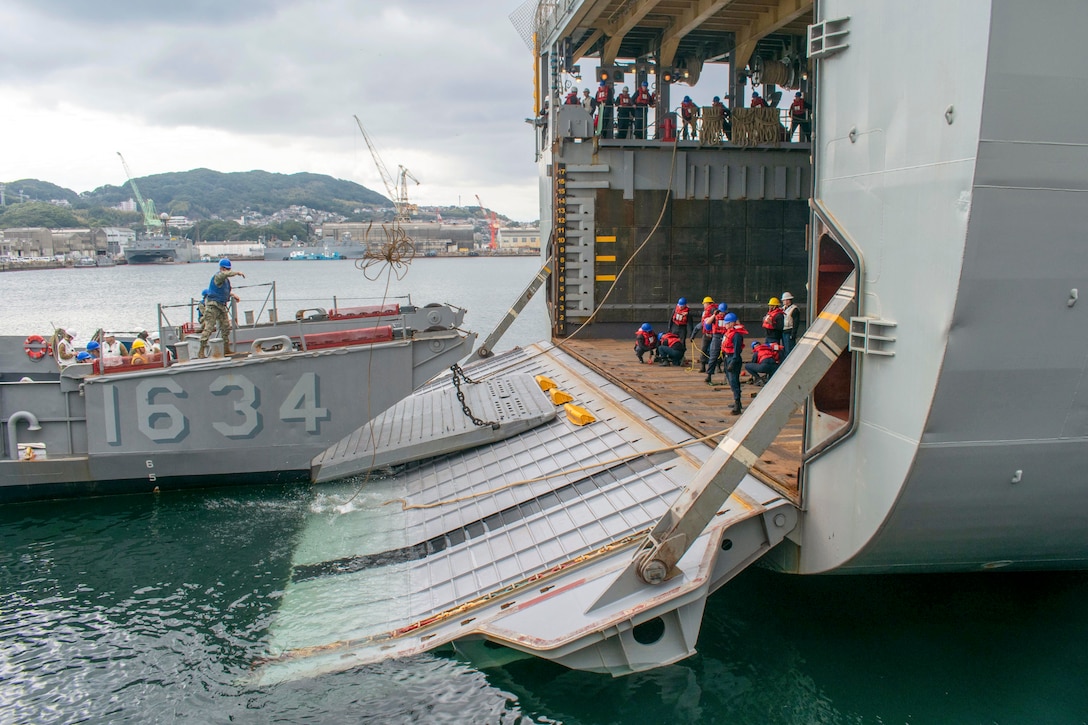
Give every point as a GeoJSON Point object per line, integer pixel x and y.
{"type": "Point", "coordinates": [871, 336]}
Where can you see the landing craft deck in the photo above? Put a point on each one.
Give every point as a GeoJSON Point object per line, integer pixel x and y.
{"type": "Point", "coordinates": [372, 581]}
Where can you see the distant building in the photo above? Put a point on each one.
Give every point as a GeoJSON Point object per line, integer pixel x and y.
{"type": "Point", "coordinates": [425, 236]}
{"type": "Point", "coordinates": [129, 205]}
{"type": "Point", "coordinates": [116, 239]}
{"type": "Point", "coordinates": [522, 239]}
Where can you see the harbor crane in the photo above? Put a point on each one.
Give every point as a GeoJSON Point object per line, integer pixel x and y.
{"type": "Point", "coordinates": [397, 188]}
{"type": "Point", "coordinates": [492, 224]}
{"type": "Point", "coordinates": [152, 222]}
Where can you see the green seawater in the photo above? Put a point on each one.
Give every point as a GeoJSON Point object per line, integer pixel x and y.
{"type": "Point", "coordinates": [154, 608]}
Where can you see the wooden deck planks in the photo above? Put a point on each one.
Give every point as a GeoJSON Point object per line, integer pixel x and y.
{"type": "Point", "coordinates": [681, 394]}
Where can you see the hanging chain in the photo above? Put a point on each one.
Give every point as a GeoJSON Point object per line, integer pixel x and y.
{"type": "Point", "coordinates": [458, 376]}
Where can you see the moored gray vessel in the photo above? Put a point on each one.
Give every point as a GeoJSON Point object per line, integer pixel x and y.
{"type": "Point", "coordinates": [256, 417]}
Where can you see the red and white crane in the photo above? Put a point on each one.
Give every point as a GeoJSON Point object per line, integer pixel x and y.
{"type": "Point", "coordinates": [492, 224]}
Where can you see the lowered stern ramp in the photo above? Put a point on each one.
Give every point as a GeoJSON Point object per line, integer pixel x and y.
{"type": "Point", "coordinates": [543, 543]}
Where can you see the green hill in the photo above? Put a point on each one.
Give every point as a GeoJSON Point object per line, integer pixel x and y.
{"type": "Point", "coordinates": [203, 193]}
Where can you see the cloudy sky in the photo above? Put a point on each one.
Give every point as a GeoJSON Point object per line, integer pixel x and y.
{"type": "Point", "coordinates": [234, 85]}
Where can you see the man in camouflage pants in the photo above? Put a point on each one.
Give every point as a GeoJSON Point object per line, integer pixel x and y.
{"type": "Point", "coordinates": [216, 311]}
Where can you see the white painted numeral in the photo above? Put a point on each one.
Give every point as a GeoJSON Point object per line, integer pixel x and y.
{"type": "Point", "coordinates": [150, 414]}
{"type": "Point", "coordinates": [246, 405]}
{"type": "Point", "coordinates": [302, 403]}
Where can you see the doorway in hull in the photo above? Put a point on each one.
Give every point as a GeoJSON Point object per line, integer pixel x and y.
{"type": "Point", "coordinates": [830, 413]}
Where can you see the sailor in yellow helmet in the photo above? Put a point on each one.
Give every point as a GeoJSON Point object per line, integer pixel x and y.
{"type": "Point", "coordinates": [140, 355]}
{"type": "Point", "coordinates": [773, 321]}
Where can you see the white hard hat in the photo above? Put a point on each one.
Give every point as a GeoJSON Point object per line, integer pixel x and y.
{"type": "Point", "coordinates": [786, 296]}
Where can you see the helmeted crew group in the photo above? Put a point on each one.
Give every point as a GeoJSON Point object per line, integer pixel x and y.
{"type": "Point", "coordinates": [723, 344]}
{"type": "Point", "coordinates": [625, 114]}
{"type": "Point", "coordinates": [104, 348]}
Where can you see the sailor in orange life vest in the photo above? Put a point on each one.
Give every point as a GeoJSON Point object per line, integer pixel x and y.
{"type": "Point", "coordinates": [670, 349]}
{"type": "Point", "coordinates": [689, 113]}
{"type": "Point", "coordinates": [643, 100]}
{"type": "Point", "coordinates": [765, 360]}
{"type": "Point", "coordinates": [706, 326]}
{"type": "Point", "coordinates": [645, 341]}
{"type": "Point", "coordinates": [791, 323]}
{"type": "Point", "coordinates": [758, 102]}
{"type": "Point", "coordinates": [718, 325]}
{"type": "Point", "coordinates": [681, 323]}
{"type": "Point", "coordinates": [604, 110]}
{"type": "Point", "coordinates": [773, 321]}
{"type": "Point", "coordinates": [624, 108]}
{"type": "Point", "coordinates": [572, 98]}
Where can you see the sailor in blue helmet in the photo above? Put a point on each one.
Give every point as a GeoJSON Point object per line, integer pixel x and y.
{"type": "Point", "coordinates": [689, 114]}
{"type": "Point", "coordinates": [681, 321]}
{"type": "Point", "coordinates": [94, 349]}
{"type": "Point", "coordinates": [216, 313]}
{"type": "Point", "coordinates": [645, 341]}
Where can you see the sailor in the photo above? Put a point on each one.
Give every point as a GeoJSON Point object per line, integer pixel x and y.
{"type": "Point", "coordinates": [689, 114]}
{"type": "Point", "coordinates": [84, 357]}
{"type": "Point", "coordinates": [624, 108]}
{"type": "Point", "coordinates": [773, 321]}
{"type": "Point", "coordinates": [680, 322]}
{"type": "Point", "coordinates": [604, 110]}
{"type": "Point", "coordinates": [153, 342]}
{"type": "Point", "coordinates": [706, 326]}
{"type": "Point", "coordinates": [765, 360]}
{"type": "Point", "coordinates": [140, 355]}
{"type": "Point", "coordinates": [216, 313]}
{"type": "Point", "coordinates": [588, 102]}
{"type": "Point", "coordinates": [113, 348]}
{"type": "Point", "coordinates": [791, 323]}
{"type": "Point", "coordinates": [66, 351]}
{"type": "Point", "coordinates": [758, 102]}
{"type": "Point", "coordinates": [572, 98]}
{"type": "Point", "coordinates": [643, 100]}
{"type": "Point", "coordinates": [645, 341]}
{"type": "Point", "coordinates": [727, 123]}
{"type": "Point", "coordinates": [94, 349]}
{"type": "Point", "coordinates": [799, 111]}
{"type": "Point", "coordinates": [732, 352]}
{"type": "Point", "coordinates": [718, 326]}
{"type": "Point", "coordinates": [670, 349]}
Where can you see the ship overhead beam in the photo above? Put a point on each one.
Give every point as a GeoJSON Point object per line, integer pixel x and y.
{"type": "Point", "coordinates": [622, 23]}
{"type": "Point", "coordinates": [773, 18]}
{"type": "Point", "coordinates": [691, 18]}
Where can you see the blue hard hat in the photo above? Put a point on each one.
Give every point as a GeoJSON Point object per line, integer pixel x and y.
{"type": "Point", "coordinates": [682, 301]}
{"type": "Point", "coordinates": [646, 327]}
{"type": "Point", "coordinates": [754, 344]}
{"type": "Point", "coordinates": [93, 345]}
{"type": "Point", "coordinates": [603, 84]}
{"type": "Point", "coordinates": [717, 99]}
{"type": "Point", "coordinates": [83, 356]}
{"type": "Point", "coordinates": [687, 99]}
{"type": "Point", "coordinates": [723, 307]}
{"type": "Point", "coordinates": [731, 317]}
{"type": "Point", "coordinates": [645, 84]}
{"type": "Point", "coordinates": [660, 335]}
{"type": "Point", "coordinates": [225, 263]}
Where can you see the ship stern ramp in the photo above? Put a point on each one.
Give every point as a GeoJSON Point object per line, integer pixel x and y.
{"type": "Point", "coordinates": [516, 547]}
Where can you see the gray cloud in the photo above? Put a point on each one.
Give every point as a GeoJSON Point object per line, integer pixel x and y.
{"type": "Point", "coordinates": [450, 79]}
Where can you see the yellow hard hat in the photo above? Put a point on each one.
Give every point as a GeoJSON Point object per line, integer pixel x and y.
{"type": "Point", "coordinates": [707, 300]}
{"type": "Point", "coordinates": [137, 344]}
{"type": "Point", "coordinates": [774, 301]}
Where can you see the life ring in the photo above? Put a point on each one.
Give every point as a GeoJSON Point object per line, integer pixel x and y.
{"type": "Point", "coordinates": [36, 347]}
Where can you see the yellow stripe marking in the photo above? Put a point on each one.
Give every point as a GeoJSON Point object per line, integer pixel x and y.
{"type": "Point", "coordinates": [837, 319]}
{"type": "Point", "coordinates": [605, 239]}
{"type": "Point", "coordinates": [606, 278]}
{"type": "Point", "coordinates": [606, 257]}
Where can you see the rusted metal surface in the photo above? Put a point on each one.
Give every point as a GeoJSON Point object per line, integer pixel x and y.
{"type": "Point", "coordinates": [681, 394]}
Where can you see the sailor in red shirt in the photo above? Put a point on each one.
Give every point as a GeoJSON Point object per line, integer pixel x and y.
{"type": "Point", "coordinates": [773, 321]}
{"type": "Point", "coordinates": [681, 321]}
{"type": "Point", "coordinates": [765, 360]}
{"type": "Point", "coordinates": [799, 117]}
{"type": "Point", "coordinates": [643, 100]}
{"type": "Point", "coordinates": [670, 349]}
{"type": "Point", "coordinates": [572, 98]}
{"type": "Point", "coordinates": [645, 341]}
{"type": "Point", "coordinates": [689, 114]}
{"type": "Point", "coordinates": [732, 352]}
{"type": "Point", "coordinates": [706, 326]}
{"type": "Point", "coordinates": [758, 102]}
{"type": "Point", "coordinates": [625, 106]}
{"type": "Point", "coordinates": [604, 110]}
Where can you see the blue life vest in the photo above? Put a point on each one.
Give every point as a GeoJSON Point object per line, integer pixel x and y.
{"type": "Point", "coordinates": [220, 294]}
